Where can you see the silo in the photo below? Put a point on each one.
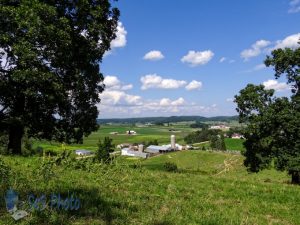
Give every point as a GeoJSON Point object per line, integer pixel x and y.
{"type": "Point", "coordinates": [173, 141]}
{"type": "Point", "coordinates": [141, 148]}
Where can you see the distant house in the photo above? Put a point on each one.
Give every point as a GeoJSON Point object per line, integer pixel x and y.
{"type": "Point", "coordinates": [130, 132]}
{"type": "Point", "coordinates": [237, 136]}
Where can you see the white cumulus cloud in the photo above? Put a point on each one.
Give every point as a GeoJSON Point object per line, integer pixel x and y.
{"type": "Point", "coordinates": [194, 58]}
{"type": "Point", "coordinates": [255, 49]}
{"type": "Point", "coordinates": [288, 42]}
{"type": "Point", "coordinates": [153, 55]}
{"type": "Point", "coordinates": [274, 84]}
{"type": "Point", "coordinates": [114, 97]}
{"type": "Point", "coordinates": [113, 83]}
{"type": "Point", "coordinates": [193, 85]}
{"type": "Point", "coordinates": [120, 40]}
{"type": "Point", "coordinates": [155, 81]}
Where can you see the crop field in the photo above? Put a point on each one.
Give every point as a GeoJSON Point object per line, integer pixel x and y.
{"type": "Point", "coordinates": [208, 188]}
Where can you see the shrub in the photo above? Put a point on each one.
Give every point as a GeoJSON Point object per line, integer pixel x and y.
{"type": "Point", "coordinates": [45, 171]}
{"type": "Point", "coordinates": [5, 174]}
{"type": "Point", "coordinates": [170, 167]}
{"type": "Point", "coordinates": [104, 148]}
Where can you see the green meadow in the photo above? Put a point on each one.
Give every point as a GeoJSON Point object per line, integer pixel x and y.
{"type": "Point", "coordinates": [208, 188]}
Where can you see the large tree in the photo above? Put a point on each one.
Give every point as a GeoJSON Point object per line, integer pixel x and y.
{"type": "Point", "coordinates": [50, 78]}
{"type": "Point", "coordinates": [273, 123]}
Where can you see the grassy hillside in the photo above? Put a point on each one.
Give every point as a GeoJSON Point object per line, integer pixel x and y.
{"type": "Point", "coordinates": [210, 188]}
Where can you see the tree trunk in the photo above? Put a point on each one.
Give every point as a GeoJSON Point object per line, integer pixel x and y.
{"type": "Point", "coordinates": [296, 178]}
{"type": "Point", "coordinates": [16, 132]}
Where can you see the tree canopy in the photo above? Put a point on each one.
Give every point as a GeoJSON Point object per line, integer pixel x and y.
{"type": "Point", "coordinates": [50, 77]}
{"type": "Point", "coordinates": [273, 123]}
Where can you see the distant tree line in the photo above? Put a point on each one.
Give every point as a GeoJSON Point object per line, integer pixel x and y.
{"type": "Point", "coordinates": [171, 119]}
{"type": "Point", "coordinates": [201, 136]}
{"type": "Point", "coordinates": [199, 125]}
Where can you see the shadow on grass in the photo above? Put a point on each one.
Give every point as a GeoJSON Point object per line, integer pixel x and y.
{"type": "Point", "coordinates": [93, 210]}
{"type": "Point", "coordinates": [160, 167]}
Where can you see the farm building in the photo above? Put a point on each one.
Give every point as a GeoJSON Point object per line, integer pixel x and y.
{"type": "Point", "coordinates": [154, 149]}
{"type": "Point", "coordinates": [130, 132]}
{"type": "Point", "coordinates": [129, 152]}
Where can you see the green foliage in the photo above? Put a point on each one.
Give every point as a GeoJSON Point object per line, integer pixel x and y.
{"type": "Point", "coordinates": [170, 167]}
{"type": "Point", "coordinates": [50, 83]}
{"type": "Point", "coordinates": [104, 148]}
{"type": "Point", "coordinates": [273, 131]}
{"type": "Point", "coordinates": [46, 170]}
{"type": "Point", "coordinates": [5, 174]}
{"type": "Point", "coordinates": [201, 136]}
{"type": "Point", "coordinates": [217, 142]}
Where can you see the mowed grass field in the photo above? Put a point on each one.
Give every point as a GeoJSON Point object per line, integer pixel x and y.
{"type": "Point", "coordinates": [234, 144]}
{"type": "Point", "coordinates": [210, 188]}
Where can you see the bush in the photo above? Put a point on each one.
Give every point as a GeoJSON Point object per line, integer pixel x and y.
{"type": "Point", "coordinates": [104, 148]}
{"type": "Point", "coordinates": [5, 174]}
{"type": "Point", "coordinates": [170, 167]}
{"type": "Point", "coordinates": [46, 170]}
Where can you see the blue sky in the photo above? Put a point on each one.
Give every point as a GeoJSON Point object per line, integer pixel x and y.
{"type": "Point", "coordinates": [190, 57]}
